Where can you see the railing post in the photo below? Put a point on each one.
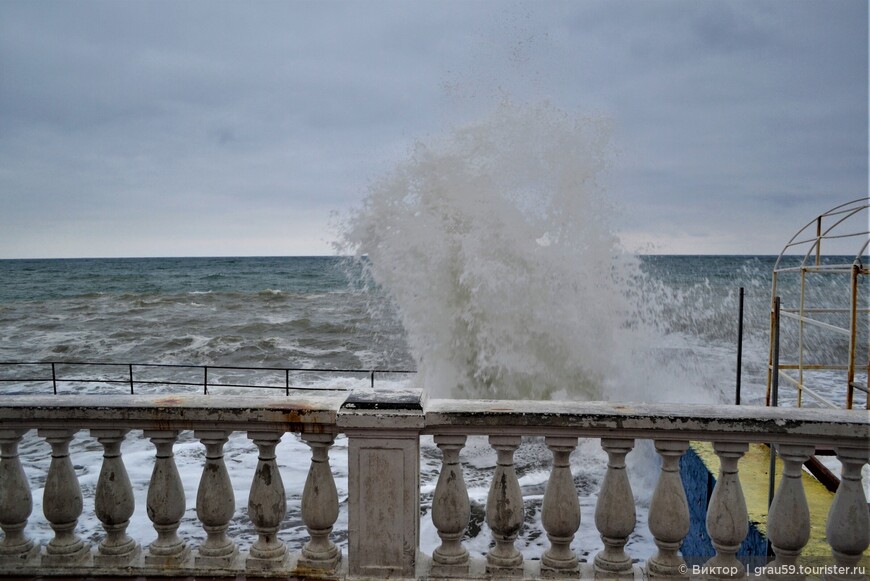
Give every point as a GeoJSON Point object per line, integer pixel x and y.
{"type": "Point", "coordinates": [848, 527]}
{"type": "Point", "coordinates": [383, 430]}
{"type": "Point", "coordinates": [560, 511]}
{"type": "Point", "coordinates": [727, 519]}
{"type": "Point", "coordinates": [739, 348]}
{"type": "Point", "coordinates": [62, 502]}
{"type": "Point", "coordinates": [267, 505]}
{"type": "Point", "coordinates": [615, 515]}
{"type": "Point", "coordinates": [319, 506]}
{"type": "Point", "coordinates": [669, 512]}
{"type": "Point", "coordinates": [215, 503]}
{"type": "Point", "coordinates": [788, 520]}
{"type": "Point", "coordinates": [114, 503]}
{"type": "Point", "coordinates": [165, 504]}
{"type": "Point", "coordinates": [504, 510]}
{"type": "Point", "coordinates": [451, 510]}
{"type": "Point", "coordinates": [16, 503]}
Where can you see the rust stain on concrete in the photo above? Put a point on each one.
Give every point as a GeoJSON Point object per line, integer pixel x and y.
{"type": "Point", "coordinates": [294, 412]}
{"type": "Point", "coordinates": [169, 401]}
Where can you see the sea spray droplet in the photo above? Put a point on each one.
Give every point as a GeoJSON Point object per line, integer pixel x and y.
{"type": "Point", "coordinates": [495, 244]}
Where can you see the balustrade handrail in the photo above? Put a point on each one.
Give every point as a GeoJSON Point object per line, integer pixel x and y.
{"type": "Point", "coordinates": [759, 424]}
{"type": "Point", "coordinates": [384, 488]}
{"type": "Point", "coordinates": [470, 417]}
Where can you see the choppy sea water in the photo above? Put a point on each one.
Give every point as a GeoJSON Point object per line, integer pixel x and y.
{"type": "Point", "coordinates": [315, 313]}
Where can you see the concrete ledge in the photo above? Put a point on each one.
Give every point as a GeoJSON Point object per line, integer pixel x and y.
{"type": "Point", "coordinates": [662, 421]}
{"type": "Point", "coordinates": [299, 412]}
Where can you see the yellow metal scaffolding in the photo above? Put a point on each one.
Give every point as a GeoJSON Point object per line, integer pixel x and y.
{"type": "Point", "coordinates": [845, 226]}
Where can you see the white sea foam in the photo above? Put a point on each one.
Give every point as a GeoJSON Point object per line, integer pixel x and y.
{"type": "Point", "coordinates": [496, 245]}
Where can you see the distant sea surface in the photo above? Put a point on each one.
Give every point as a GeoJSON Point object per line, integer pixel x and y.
{"type": "Point", "coordinates": [297, 311]}
{"type": "Point", "coordinates": [313, 312]}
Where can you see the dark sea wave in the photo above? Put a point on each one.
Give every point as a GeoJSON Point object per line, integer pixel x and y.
{"type": "Point", "coordinates": [318, 313]}
{"type": "Point", "coordinates": [313, 312]}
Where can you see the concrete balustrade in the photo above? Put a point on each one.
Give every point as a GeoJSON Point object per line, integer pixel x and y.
{"type": "Point", "coordinates": [560, 512]}
{"type": "Point", "coordinates": [62, 501]}
{"type": "Point", "coordinates": [615, 515]}
{"type": "Point", "coordinates": [451, 510]}
{"type": "Point", "coordinates": [215, 503]}
{"type": "Point", "coordinates": [114, 503]}
{"type": "Point", "coordinates": [16, 503]}
{"type": "Point", "coordinates": [383, 503]}
{"type": "Point", "coordinates": [669, 512]}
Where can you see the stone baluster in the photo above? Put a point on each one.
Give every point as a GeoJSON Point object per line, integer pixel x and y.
{"type": "Point", "coordinates": [16, 503]}
{"type": "Point", "coordinates": [451, 510]}
{"type": "Point", "coordinates": [319, 506]}
{"type": "Point", "coordinates": [267, 505]}
{"type": "Point", "coordinates": [615, 515]}
{"type": "Point", "coordinates": [669, 512]}
{"type": "Point", "coordinates": [114, 503]}
{"type": "Point", "coordinates": [560, 511]}
{"type": "Point", "coordinates": [848, 527]}
{"type": "Point", "coordinates": [165, 504]}
{"type": "Point", "coordinates": [62, 502]}
{"type": "Point", "coordinates": [504, 510]}
{"type": "Point", "coordinates": [215, 503]}
{"type": "Point", "coordinates": [727, 519]}
{"type": "Point", "coordinates": [788, 520]}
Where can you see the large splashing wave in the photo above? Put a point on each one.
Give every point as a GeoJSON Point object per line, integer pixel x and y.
{"type": "Point", "coordinates": [496, 244]}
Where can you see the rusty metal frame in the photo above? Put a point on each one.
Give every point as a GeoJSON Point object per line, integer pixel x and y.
{"type": "Point", "coordinates": [834, 224]}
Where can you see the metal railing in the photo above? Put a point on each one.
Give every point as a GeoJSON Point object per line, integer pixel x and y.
{"type": "Point", "coordinates": [281, 380]}
{"type": "Point", "coordinates": [846, 222]}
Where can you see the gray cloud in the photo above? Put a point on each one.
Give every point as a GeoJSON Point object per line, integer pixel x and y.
{"type": "Point", "coordinates": [229, 128]}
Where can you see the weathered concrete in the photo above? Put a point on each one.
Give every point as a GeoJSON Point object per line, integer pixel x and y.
{"type": "Point", "coordinates": [16, 504]}
{"type": "Point", "coordinates": [114, 503]}
{"type": "Point", "coordinates": [560, 511]}
{"type": "Point", "coordinates": [215, 503]}
{"type": "Point", "coordinates": [62, 502]}
{"type": "Point", "coordinates": [615, 515]}
{"type": "Point", "coordinates": [789, 514]}
{"type": "Point", "coordinates": [451, 511]}
{"type": "Point", "coordinates": [267, 505]}
{"type": "Point", "coordinates": [301, 413]}
{"type": "Point", "coordinates": [725, 423]}
{"type": "Point", "coordinates": [384, 492]}
{"type": "Point", "coordinates": [320, 507]}
{"type": "Point", "coordinates": [669, 512]}
{"type": "Point", "coordinates": [384, 484]}
{"type": "Point", "coordinates": [504, 510]}
{"type": "Point", "coordinates": [727, 519]}
{"type": "Point", "coordinates": [166, 504]}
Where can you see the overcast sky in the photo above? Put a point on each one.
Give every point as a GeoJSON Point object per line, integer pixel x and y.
{"type": "Point", "coordinates": [192, 128]}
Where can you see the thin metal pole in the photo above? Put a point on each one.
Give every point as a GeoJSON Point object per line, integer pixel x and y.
{"type": "Point", "coordinates": [53, 379]}
{"type": "Point", "coordinates": [770, 350]}
{"type": "Point", "coordinates": [131, 379]}
{"type": "Point", "coordinates": [373, 378]}
{"type": "Point", "coordinates": [774, 402]}
{"type": "Point", "coordinates": [819, 241]}
{"type": "Point", "coordinates": [800, 384]}
{"type": "Point", "coordinates": [775, 394]}
{"type": "Point", "coordinates": [287, 381]}
{"type": "Point", "coordinates": [853, 338]}
{"type": "Point", "coordinates": [739, 346]}
{"type": "Point", "coordinates": [205, 380]}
